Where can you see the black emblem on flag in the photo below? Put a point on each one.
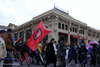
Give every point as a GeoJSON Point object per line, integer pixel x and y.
{"type": "Point", "coordinates": [37, 34]}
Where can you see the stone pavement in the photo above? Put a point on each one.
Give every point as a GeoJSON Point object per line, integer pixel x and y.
{"type": "Point", "coordinates": [72, 64]}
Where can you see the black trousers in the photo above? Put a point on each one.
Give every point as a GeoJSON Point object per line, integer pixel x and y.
{"type": "Point", "coordinates": [63, 62]}
{"type": "Point", "coordinates": [50, 61]}
{"type": "Point", "coordinates": [93, 60]}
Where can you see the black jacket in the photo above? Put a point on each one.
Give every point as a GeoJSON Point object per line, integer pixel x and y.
{"type": "Point", "coordinates": [50, 53]}
{"type": "Point", "coordinates": [18, 47]}
{"type": "Point", "coordinates": [25, 48]}
{"type": "Point", "coordinates": [83, 48]}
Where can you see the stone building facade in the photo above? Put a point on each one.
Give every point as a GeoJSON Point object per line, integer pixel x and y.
{"type": "Point", "coordinates": [61, 23]}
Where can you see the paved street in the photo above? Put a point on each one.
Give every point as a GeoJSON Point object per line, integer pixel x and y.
{"type": "Point", "coordinates": [72, 64]}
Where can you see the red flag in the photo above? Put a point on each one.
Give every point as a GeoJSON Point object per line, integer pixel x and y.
{"type": "Point", "coordinates": [40, 32]}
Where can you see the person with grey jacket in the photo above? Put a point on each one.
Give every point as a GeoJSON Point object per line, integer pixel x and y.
{"type": "Point", "coordinates": [62, 51]}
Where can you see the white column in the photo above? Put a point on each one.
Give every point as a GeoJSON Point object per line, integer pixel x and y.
{"type": "Point", "coordinates": [86, 34]}
{"type": "Point", "coordinates": [69, 38]}
{"type": "Point", "coordinates": [55, 32]}
{"type": "Point", "coordinates": [69, 26]}
{"type": "Point", "coordinates": [24, 35]}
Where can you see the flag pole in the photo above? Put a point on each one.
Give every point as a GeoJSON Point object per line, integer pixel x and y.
{"type": "Point", "coordinates": [54, 3]}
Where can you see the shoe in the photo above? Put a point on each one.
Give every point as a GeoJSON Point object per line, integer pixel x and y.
{"type": "Point", "coordinates": [76, 65]}
{"type": "Point", "coordinates": [69, 64]}
{"type": "Point", "coordinates": [81, 65]}
{"type": "Point", "coordinates": [21, 63]}
{"type": "Point", "coordinates": [28, 65]}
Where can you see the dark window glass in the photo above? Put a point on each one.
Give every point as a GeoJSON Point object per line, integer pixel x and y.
{"type": "Point", "coordinates": [89, 34]}
{"type": "Point", "coordinates": [22, 35]}
{"type": "Point", "coordinates": [97, 36]}
{"type": "Point", "coordinates": [28, 34]}
{"type": "Point", "coordinates": [83, 31]}
{"type": "Point", "coordinates": [93, 35]}
{"type": "Point", "coordinates": [59, 25]}
{"type": "Point", "coordinates": [66, 27]}
{"type": "Point", "coordinates": [16, 36]}
{"type": "Point", "coordinates": [73, 29]}
{"type": "Point", "coordinates": [76, 30]}
{"type": "Point", "coordinates": [63, 26]}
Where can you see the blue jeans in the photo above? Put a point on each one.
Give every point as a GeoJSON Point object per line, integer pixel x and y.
{"type": "Point", "coordinates": [10, 56]}
{"type": "Point", "coordinates": [84, 57]}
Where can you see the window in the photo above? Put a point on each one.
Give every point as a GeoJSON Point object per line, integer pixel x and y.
{"type": "Point", "coordinates": [83, 31]}
{"type": "Point", "coordinates": [59, 25]}
{"type": "Point", "coordinates": [76, 30]}
{"type": "Point", "coordinates": [63, 26]}
{"type": "Point", "coordinates": [97, 36]}
{"type": "Point", "coordinates": [66, 27]}
{"type": "Point", "coordinates": [22, 35]}
{"type": "Point", "coordinates": [89, 34]}
{"type": "Point", "coordinates": [93, 35]}
{"type": "Point", "coordinates": [16, 36]}
{"type": "Point", "coordinates": [28, 34]}
{"type": "Point", "coordinates": [73, 29]}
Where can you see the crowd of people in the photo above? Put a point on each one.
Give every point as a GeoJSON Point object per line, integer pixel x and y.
{"type": "Point", "coordinates": [46, 53]}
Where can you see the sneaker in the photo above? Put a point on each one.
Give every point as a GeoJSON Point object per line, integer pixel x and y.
{"type": "Point", "coordinates": [68, 64]}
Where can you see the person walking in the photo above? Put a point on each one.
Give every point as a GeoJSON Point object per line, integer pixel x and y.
{"type": "Point", "coordinates": [93, 55]}
{"type": "Point", "coordinates": [62, 52]}
{"type": "Point", "coordinates": [2, 47]}
{"type": "Point", "coordinates": [39, 57]}
{"type": "Point", "coordinates": [18, 47]}
{"type": "Point", "coordinates": [72, 55]}
{"type": "Point", "coordinates": [25, 53]}
{"type": "Point", "coordinates": [98, 53]}
{"type": "Point", "coordinates": [83, 53]}
{"type": "Point", "coordinates": [9, 46]}
{"type": "Point", "coordinates": [50, 53]}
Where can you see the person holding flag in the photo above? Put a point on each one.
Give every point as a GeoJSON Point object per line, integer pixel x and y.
{"type": "Point", "coordinates": [2, 47]}
{"type": "Point", "coordinates": [39, 33]}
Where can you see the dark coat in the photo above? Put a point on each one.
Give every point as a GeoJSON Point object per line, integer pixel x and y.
{"type": "Point", "coordinates": [83, 48]}
{"type": "Point", "coordinates": [99, 48]}
{"type": "Point", "coordinates": [25, 48]}
{"type": "Point", "coordinates": [18, 47]}
{"type": "Point", "coordinates": [72, 53]}
{"type": "Point", "coordinates": [50, 53]}
{"type": "Point", "coordinates": [61, 48]}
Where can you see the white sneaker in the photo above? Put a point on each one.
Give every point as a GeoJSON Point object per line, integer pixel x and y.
{"type": "Point", "coordinates": [69, 64]}
{"type": "Point", "coordinates": [76, 64]}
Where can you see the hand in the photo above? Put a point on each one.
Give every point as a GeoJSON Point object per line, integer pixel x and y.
{"type": "Point", "coordinates": [68, 47]}
{"type": "Point", "coordinates": [0, 58]}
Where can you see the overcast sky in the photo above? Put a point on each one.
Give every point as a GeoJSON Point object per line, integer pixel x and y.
{"type": "Point", "coordinates": [21, 11]}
